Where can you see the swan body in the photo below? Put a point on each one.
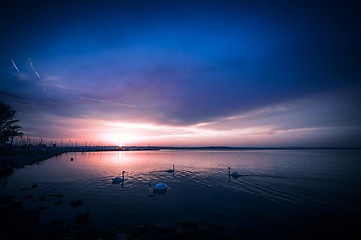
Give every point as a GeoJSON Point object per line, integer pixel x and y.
{"type": "Point", "coordinates": [233, 174]}
{"type": "Point", "coordinates": [119, 179]}
{"type": "Point", "coordinates": [158, 188]}
{"type": "Point", "coordinates": [170, 170]}
{"type": "Point", "coordinates": [161, 186]}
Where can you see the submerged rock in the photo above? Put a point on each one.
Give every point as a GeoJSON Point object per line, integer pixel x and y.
{"type": "Point", "coordinates": [121, 236]}
{"type": "Point", "coordinates": [142, 228]}
{"type": "Point", "coordinates": [82, 218]}
{"type": "Point", "coordinates": [189, 224]}
{"type": "Point", "coordinates": [180, 232]}
{"type": "Point", "coordinates": [76, 203]}
{"type": "Point", "coordinates": [28, 196]}
{"type": "Point", "coordinates": [43, 207]}
{"type": "Point", "coordinates": [56, 195]}
{"type": "Point", "coordinates": [160, 228]}
{"type": "Point", "coordinates": [42, 198]}
{"type": "Point", "coordinates": [20, 224]}
{"type": "Point", "coordinates": [9, 203]}
{"type": "Point", "coordinates": [58, 202]}
{"type": "Point", "coordinates": [57, 221]}
{"type": "Point", "coordinates": [61, 226]}
{"type": "Point", "coordinates": [6, 199]}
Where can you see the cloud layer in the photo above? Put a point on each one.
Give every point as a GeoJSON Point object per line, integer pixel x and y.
{"type": "Point", "coordinates": [206, 72]}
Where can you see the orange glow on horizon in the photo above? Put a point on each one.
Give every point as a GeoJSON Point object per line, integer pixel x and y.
{"type": "Point", "coordinates": [118, 139]}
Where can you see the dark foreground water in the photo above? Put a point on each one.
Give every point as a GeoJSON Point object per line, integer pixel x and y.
{"type": "Point", "coordinates": [298, 194]}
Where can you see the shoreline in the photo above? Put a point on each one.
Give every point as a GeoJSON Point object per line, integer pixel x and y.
{"type": "Point", "coordinates": [18, 158]}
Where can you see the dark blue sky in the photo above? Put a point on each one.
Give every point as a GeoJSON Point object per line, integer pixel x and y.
{"type": "Point", "coordinates": [235, 73]}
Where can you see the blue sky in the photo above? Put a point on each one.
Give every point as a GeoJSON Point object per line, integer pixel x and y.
{"type": "Point", "coordinates": [184, 72]}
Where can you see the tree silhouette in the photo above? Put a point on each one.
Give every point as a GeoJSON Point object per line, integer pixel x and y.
{"type": "Point", "coordinates": [8, 127]}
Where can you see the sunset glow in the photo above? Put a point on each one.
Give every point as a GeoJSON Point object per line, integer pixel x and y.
{"type": "Point", "coordinates": [229, 73]}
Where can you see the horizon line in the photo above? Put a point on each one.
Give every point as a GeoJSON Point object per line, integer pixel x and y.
{"type": "Point", "coordinates": [217, 147]}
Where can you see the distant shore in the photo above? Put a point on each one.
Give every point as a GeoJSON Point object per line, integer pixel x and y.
{"type": "Point", "coordinates": [226, 148]}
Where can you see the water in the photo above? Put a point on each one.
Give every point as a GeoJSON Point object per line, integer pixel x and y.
{"type": "Point", "coordinates": [312, 193]}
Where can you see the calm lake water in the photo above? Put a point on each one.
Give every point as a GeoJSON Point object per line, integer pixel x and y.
{"type": "Point", "coordinates": [308, 193]}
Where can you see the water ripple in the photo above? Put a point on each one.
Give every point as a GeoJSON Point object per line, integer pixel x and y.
{"type": "Point", "coordinates": [199, 188]}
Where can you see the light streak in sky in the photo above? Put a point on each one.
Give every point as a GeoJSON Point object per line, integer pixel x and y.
{"type": "Point", "coordinates": [14, 65]}
{"type": "Point", "coordinates": [37, 74]}
{"type": "Point", "coordinates": [31, 64]}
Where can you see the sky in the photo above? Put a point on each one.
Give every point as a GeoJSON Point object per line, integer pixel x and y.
{"type": "Point", "coordinates": [184, 73]}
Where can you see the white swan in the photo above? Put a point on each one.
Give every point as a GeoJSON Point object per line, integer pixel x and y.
{"type": "Point", "coordinates": [119, 179]}
{"type": "Point", "coordinates": [233, 174]}
{"type": "Point", "coordinates": [161, 186]}
{"type": "Point", "coordinates": [170, 170]}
